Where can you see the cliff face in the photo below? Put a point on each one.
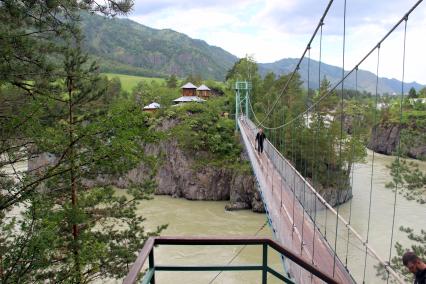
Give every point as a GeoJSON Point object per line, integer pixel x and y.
{"type": "Point", "coordinates": [333, 197]}
{"type": "Point", "coordinates": [178, 175]}
{"type": "Point", "coordinates": [384, 140]}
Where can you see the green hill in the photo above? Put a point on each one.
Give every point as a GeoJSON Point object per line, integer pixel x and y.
{"type": "Point", "coordinates": [124, 46]}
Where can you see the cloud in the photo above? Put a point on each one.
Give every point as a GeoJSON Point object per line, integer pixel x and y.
{"type": "Point", "coordinates": [144, 7]}
{"type": "Point", "coordinates": [275, 29]}
{"type": "Point", "coordinates": [302, 16]}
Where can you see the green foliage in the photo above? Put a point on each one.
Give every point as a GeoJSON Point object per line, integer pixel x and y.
{"type": "Point", "coordinates": [245, 69]}
{"type": "Point", "coordinates": [207, 135]}
{"type": "Point", "coordinates": [422, 93]}
{"type": "Point", "coordinates": [419, 248]}
{"type": "Point", "coordinates": [91, 138]}
{"type": "Point", "coordinates": [412, 93]}
{"type": "Point", "coordinates": [413, 113]}
{"type": "Point", "coordinates": [172, 81]}
{"type": "Point", "coordinates": [114, 67]}
{"type": "Point", "coordinates": [408, 180]}
{"type": "Point", "coordinates": [149, 52]}
{"type": "Point", "coordinates": [203, 129]}
{"type": "Point", "coordinates": [53, 103]}
{"type": "Point", "coordinates": [194, 79]}
{"type": "Point", "coordinates": [412, 138]}
{"type": "Point", "coordinates": [145, 93]}
{"type": "Point", "coordinates": [410, 117]}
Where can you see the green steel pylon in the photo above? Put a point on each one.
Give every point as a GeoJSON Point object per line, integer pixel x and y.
{"type": "Point", "coordinates": [242, 96]}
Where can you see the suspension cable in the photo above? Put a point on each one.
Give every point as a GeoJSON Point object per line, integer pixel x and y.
{"type": "Point", "coordinates": [308, 46]}
{"type": "Point", "coordinates": [260, 123]}
{"type": "Point", "coordinates": [315, 144]}
{"type": "Point", "coordinates": [304, 160]}
{"type": "Point", "coordinates": [352, 178]}
{"type": "Point", "coordinates": [328, 206]}
{"type": "Point", "coordinates": [341, 137]}
{"type": "Point", "coordinates": [238, 252]}
{"type": "Point", "coordinates": [294, 177]}
{"type": "Point", "coordinates": [399, 142]}
{"type": "Point", "coordinates": [372, 162]}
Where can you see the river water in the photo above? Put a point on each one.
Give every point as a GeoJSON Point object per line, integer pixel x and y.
{"type": "Point", "coordinates": [205, 218]}
{"type": "Point", "coordinates": [408, 214]}
{"type": "Point", "coordinates": [208, 218]}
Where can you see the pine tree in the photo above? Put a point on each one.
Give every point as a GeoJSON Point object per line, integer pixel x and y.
{"type": "Point", "coordinates": [172, 81]}
{"type": "Point", "coordinates": [69, 227]}
{"type": "Point", "coordinates": [412, 93]}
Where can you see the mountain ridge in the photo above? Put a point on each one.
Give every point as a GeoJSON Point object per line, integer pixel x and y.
{"type": "Point", "coordinates": [366, 79]}
{"type": "Point", "coordinates": [121, 45]}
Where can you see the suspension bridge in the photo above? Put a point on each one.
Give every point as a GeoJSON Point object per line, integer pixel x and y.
{"type": "Point", "coordinates": [293, 205]}
{"type": "Point", "coordinates": [297, 213]}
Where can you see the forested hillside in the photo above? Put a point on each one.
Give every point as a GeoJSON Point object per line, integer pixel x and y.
{"type": "Point", "coordinates": [124, 46]}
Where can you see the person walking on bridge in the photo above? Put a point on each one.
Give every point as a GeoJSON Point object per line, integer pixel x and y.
{"type": "Point", "coordinates": [416, 266]}
{"type": "Point", "coordinates": [260, 137]}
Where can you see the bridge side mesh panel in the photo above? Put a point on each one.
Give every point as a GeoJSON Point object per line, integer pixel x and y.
{"type": "Point", "coordinates": [304, 221]}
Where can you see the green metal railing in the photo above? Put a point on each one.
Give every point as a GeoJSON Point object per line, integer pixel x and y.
{"type": "Point", "coordinates": [147, 252]}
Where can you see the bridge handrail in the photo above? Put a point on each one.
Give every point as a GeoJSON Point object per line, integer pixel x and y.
{"type": "Point", "coordinates": [326, 204]}
{"type": "Point", "coordinates": [147, 249]}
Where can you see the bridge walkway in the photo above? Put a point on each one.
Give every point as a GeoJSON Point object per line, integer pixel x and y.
{"type": "Point", "coordinates": [292, 227]}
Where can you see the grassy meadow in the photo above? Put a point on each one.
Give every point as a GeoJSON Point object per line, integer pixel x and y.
{"type": "Point", "coordinates": [128, 82]}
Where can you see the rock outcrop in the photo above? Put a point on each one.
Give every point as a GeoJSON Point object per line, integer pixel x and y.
{"type": "Point", "coordinates": [334, 197]}
{"type": "Point", "coordinates": [179, 175]}
{"type": "Point", "coordinates": [417, 152]}
{"type": "Point", "coordinates": [385, 138]}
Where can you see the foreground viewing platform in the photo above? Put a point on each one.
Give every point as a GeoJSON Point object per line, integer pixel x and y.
{"type": "Point", "coordinates": [147, 253]}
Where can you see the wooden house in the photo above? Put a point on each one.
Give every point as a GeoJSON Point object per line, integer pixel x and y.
{"type": "Point", "coordinates": [189, 90]}
{"type": "Point", "coordinates": [203, 92]}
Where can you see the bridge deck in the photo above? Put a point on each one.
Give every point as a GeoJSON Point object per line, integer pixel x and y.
{"type": "Point", "coordinates": [292, 226]}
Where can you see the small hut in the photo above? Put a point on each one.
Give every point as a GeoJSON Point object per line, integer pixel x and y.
{"type": "Point", "coordinates": [203, 92]}
{"type": "Point", "coordinates": [189, 90]}
{"type": "Point", "coordinates": [152, 107]}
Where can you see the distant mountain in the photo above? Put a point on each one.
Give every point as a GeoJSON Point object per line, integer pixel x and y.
{"type": "Point", "coordinates": [366, 79]}
{"type": "Point", "coordinates": [124, 46]}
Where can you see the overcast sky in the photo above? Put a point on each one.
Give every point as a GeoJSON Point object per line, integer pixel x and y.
{"type": "Point", "coordinates": [274, 29]}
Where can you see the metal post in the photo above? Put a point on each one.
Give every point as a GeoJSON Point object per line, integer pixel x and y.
{"type": "Point", "coordinates": [237, 103]}
{"type": "Point", "coordinates": [247, 105]}
{"type": "Point", "coordinates": [152, 266]}
{"type": "Point", "coordinates": [265, 264]}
